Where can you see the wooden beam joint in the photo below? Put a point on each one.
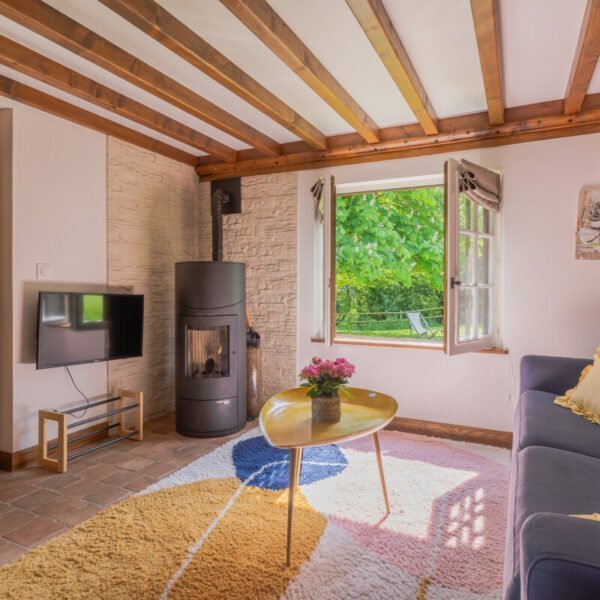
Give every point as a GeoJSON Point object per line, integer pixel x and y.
{"type": "Point", "coordinates": [534, 122]}
{"type": "Point", "coordinates": [378, 27]}
{"type": "Point", "coordinates": [487, 32]}
{"type": "Point", "coordinates": [270, 28]}
{"type": "Point", "coordinates": [46, 21]}
{"type": "Point", "coordinates": [586, 58]}
{"type": "Point", "coordinates": [35, 65]}
{"type": "Point", "coordinates": [50, 104]}
{"type": "Point", "coordinates": [151, 18]}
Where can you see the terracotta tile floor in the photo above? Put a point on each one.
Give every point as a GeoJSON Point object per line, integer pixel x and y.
{"type": "Point", "coordinates": [37, 504]}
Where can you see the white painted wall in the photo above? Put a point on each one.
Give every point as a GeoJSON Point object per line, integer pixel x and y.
{"type": "Point", "coordinates": [6, 321]}
{"type": "Point", "coordinates": [59, 217]}
{"type": "Point", "coordinates": [550, 301]}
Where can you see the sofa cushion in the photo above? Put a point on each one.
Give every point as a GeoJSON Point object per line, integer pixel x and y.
{"type": "Point", "coordinates": [584, 398]}
{"type": "Point", "coordinates": [540, 422]}
{"type": "Point", "coordinates": [553, 481]}
{"type": "Point", "coordinates": [559, 558]}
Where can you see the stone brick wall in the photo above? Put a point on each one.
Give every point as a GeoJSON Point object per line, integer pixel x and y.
{"type": "Point", "coordinates": [155, 219]}
{"type": "Point", "coordinates": [264, 237]}
{"type": "Point", "coordinates": [159, 214]}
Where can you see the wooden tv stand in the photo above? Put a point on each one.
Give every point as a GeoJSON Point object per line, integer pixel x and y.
{"type": "Point", "coordinates": [61, 418]}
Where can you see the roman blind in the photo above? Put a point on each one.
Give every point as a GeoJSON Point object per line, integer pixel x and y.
{"type": "Point", "coordinates": [480, 185]}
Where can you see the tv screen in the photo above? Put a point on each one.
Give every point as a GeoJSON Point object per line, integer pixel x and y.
{"type": "Point", "coordinates": [77, 328]}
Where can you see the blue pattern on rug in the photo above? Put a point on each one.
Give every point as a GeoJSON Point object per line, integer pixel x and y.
{"type": "Point", "coordinates": [250, 455]}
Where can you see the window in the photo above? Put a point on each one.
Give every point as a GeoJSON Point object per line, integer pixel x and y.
{"type": "Point", "coordinates": [389, 264]}
{"type": "Point", "coordinates": [414, 265]}
{"type": "Point", "coordinates": [471, 249]}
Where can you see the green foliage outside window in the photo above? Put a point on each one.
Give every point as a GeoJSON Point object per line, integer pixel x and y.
{"type": "Point", "coordinates": [389, 259]}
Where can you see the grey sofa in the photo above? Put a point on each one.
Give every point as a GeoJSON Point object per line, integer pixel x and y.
{"type": "Point", "coordinates": [555, 473]}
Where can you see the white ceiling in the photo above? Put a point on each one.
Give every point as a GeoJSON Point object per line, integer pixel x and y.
{"type": "Point", "coordinates": [539, 38]}
{"type": "Point", "coordinates": [440, 39]}
{"type": "Point", "coordinates": [337, 40]}
{"type": "Point", "coordinates": [538, 44]}
{"type": "Point", "coordinates": [212, 21]}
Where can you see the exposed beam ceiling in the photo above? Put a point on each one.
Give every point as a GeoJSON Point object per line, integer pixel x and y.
{"type": "Point", "coordinates": [32, 97]}
{"type": "Point", "coordinates": [154, 20]}
{"type": "Point", "coordinates": [576, 114]}
{"type": "Point", "coordinates": [376, 23]}
{"type": "Point", "coordinates": [57, 27]}
{"type": "Point", "coordinates": [534, 122]}
{"type": "Point", "coordinates": [48, 71]}
{"type": "Point", "coordinates": [270, 28]}
{"type": "Point", "coordinates": [486, 21]}
{"type": "Point", "coordinates": [586, 58]}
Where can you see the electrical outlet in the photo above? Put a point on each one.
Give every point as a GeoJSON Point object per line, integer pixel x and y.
{"type": "Point", "coordinates": [43, 270]}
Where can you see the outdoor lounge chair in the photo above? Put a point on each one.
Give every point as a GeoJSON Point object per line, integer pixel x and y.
{"type": "Point", "coordinates": [419, 324]}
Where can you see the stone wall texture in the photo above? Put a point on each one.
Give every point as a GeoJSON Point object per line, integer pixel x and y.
{"type": "Point", "coordinates": [264, 237]}
{"type": "Point", "coordinates": [159, 214]}
{"type": "Point", "coordinates": [155, 219]}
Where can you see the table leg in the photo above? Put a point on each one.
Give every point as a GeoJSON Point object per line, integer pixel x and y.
{"type": "Point", "coordinates": [295, 462]}
{"type": "Point", "coordinates": [381, 475]}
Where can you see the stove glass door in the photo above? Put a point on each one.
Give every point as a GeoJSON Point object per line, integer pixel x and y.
{"type": "Point", "coordinates": [207, 357]}
{"type": "Point", "coordinates": [207, 351]}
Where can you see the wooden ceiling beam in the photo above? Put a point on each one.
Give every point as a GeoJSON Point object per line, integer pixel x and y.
{"type": "Point", "coordinates": [57, 27]}
{"type": "Point", "coordinates": [270, 28]}
{"type": "Point", "coordinates": [378, 27]}
{"type": "Point", "coordinates": [533, 122]}
{"type": "Point", "coordinates": [25, 94]}
{"type": "Point", "coordinates": [586, 58]}
{"type": "Point", "coordinates": [154, 20]}
{"type": "Point", "coordinates": [487, 32]}
{"type": "Point", "coordinates": [35, 65]}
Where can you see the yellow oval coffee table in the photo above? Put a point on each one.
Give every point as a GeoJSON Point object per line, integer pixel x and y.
{"type": "Point", "coordinates": [286, 422]}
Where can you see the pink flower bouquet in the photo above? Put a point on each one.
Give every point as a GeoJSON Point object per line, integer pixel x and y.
{"type": "Point", "coordinates": [326, 377]}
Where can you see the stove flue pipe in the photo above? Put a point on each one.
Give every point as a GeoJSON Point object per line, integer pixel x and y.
{"type": "Point", "coordinates": [218, 198]}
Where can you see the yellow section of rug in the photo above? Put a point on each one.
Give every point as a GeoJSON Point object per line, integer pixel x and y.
{"type": "Point", "coordinates": [244, 558]}
{"type": "Point", "coordinates": [133, 549]}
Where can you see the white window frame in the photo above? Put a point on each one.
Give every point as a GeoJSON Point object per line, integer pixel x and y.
{"type": "Point", "coordinates": [452, 342]}
{"type": "Point", "coordinates": [343, 189]}
{"type": "Point", "coordinates": [319, 276]}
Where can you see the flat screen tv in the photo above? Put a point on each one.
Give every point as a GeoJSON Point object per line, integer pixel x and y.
{"type": "Point", "coordinates": [76, 328]}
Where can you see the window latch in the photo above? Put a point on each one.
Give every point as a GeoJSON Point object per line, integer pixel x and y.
{"type": "Point", "coordinates": [454, 283]}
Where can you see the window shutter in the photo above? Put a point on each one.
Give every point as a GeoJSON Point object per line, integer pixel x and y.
{"type": "Point", "coordinates": [332, 257]}
{"type": "Point", "coordinates": [472, 200]}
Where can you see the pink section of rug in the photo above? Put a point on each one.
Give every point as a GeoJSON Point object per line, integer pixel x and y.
{"type": "Point", "coordinates": [464, 543]}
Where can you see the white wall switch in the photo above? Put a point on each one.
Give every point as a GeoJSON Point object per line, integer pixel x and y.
{"type": "Point", "coordinates": [43, 270]}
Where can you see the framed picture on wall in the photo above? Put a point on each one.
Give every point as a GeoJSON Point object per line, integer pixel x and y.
{"type": "Point", "coordinates": [587, 245]}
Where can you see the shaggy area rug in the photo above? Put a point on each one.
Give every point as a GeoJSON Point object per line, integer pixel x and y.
{"type": "Point", "coordinates": [217, 529]}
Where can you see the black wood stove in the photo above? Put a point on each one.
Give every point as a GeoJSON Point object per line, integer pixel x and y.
{"type": "Point", "coordinates": [211, 348]}
{"type": "Point", "coordinates": [211, 338]}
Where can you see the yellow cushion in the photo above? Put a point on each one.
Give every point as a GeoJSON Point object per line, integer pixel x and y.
{"type": "Point", "coordinates": [584, 399]}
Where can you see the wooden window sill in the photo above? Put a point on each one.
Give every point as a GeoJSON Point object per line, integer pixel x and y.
{"type": "Point", "coordinates": [493, 351]}
{"type": "Point", "coordinates": [400, 344]}
{"type": "Point", "coordinates": [391, 343]}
